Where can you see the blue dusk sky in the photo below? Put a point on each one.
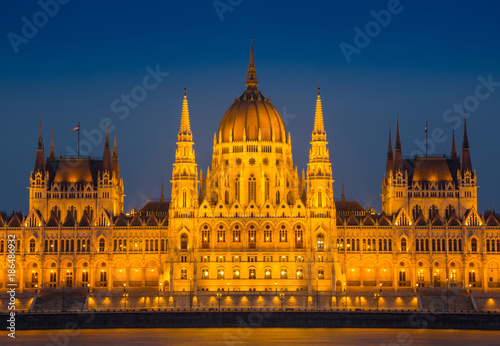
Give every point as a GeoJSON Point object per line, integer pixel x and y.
{"type": "Point", "coordinates": [71, 61]}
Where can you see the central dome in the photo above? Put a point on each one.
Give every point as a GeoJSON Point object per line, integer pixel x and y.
{"type": "Point", "coordinates": [252, 117]}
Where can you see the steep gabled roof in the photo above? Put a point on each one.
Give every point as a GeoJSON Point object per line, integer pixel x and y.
{"type": "Point", "coordinates": [352, 220]}
{"type": "Point", "coordinates": [453, 220]}
{"type": "Point", "coordinates": [69, 221]}
{"type": "Point", "coordinates": [492, 221]}
{"type": "Point", "coordinates": [340, 221]}
{"type": "Point", "coordinates": [14, 221]}
{"type": "Point", "coordinates": [121, 221]}
{"type": "Point", "coordinates": [421, 221]}
{"type": "Point", "coordinates": [152, 221]}
{"type": "Point", "coordinates": [437, 221]}
{"type": "Point", "coordinates": [84, 220]}
{"type": "Point", "coordinates": [53, 221]}
{"type": "Point", "coordinates": [165, 221]}
{"type": "Point", "coordinates": [136, 221]}
{"type": "Point", "coordinates": [384, 220]}
{"type": "Point", "coordinates": [368, 220]}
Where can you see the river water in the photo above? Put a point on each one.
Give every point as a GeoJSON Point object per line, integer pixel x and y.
{"type": "Point", "coordinates": [255, 336]}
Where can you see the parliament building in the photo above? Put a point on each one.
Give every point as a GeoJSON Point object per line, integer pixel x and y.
{"type": "Point", "coordinates": [252, 221]}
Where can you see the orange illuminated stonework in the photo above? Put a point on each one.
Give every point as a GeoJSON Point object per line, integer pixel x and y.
{"type": "Point", "coordinates": [252, 222]}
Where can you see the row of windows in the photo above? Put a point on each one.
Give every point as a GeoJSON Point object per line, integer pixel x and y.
{"type": "Point", "coordinates": [254, 258]}
{"type": "Point", "coordinates": [422, 245]}
{"type": "Point", "coordinates": [367, 244]}
{"type": "Point", "coordinates": [150, 245]}
{"type": "Point", "coordinates": [252, 273]}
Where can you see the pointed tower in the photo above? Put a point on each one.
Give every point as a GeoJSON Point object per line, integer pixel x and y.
{"type": "Point", "coordinates": [466, 161]}
{"type": "Point", "coordinates": [106, 159]}
{"type": "Point", "coordinates": [40, 156]}
{"type": "Point", "coordinates": [342, 198]}
{"type": "Point", "coordinates": [162, 199]}
{"type": "Point", "coordinates": [319, 169]}
{"type": "Point", "coordinates": [114, 163]}
{"type": "Point", "coordinates": [390, 159]}
{"type": "Point", "coordinates": [52, 153]}
{"type": "Point", "coordinates": [398, 156]}
{"type": "Point", "coordinates": [453, 148]}
{"type": "Point", "coordinates": [185, 172]}
{"type": "Point", "coordinates": [252, 80]}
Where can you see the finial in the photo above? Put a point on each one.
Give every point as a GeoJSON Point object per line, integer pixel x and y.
{"type": "Point", "coordinates": [185, 90]}
{"type": "Point", "coordinates": [318, 89]}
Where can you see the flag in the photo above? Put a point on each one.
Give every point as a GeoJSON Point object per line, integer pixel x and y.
{"type": "Point", "coordinates": [76, 128]}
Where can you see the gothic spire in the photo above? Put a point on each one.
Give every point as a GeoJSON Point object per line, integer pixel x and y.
{"type": "Point", "coordinates": [319, 126]}
{"type": "Point", "coordinates": [162, 199]}
{"type": "Point", "coordinates": [40, 159]}
{"type": "Point", "coordinates": [466, 161]}
{"type": "Point", "coordinates": [453, 148]}
{"type": "Point", "coordinates": [106, 159]}
{"type": "Point", "coordinates": [390, 156]}
{"type": "Point", "coordinates": [252, 79]}
{"type": "Point", "coordinates": [398, 156]}
{"type": "Point", "coordinates": [185, 133]}
{"type": "Point", "coordinates": [114, 162]}
{"type": "Point", "coordinates": [342, 198]}
{"type": "Point", "coordinates": [52, 153]}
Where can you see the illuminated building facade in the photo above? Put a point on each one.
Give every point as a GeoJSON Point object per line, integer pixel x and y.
{"type": "Point", "coordinates": [251, 222]}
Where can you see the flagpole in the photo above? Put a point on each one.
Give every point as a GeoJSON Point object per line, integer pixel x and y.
{"type": "Point", "coordinates": [78, 139]}
{"type": "Point", "coordinates": [425, 138]}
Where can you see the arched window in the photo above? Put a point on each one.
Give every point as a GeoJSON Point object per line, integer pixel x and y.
{"type": "Point", "coordinates": [237, 189]}
{"type": "Point", "coordinates": [220, 273]}
{"type": "Point", "coordinates": [251, 273]}
{"type": "Point", "coordinates": [266, 189]}
{"type": "Point", "coordinates": [215, 198]}
{"type": "Point", "coordinates": [184, 241]}
{"type": "Point", "coordinates": [101, 245]}
{"type": "Point", "coordinates": [284, 273]}
{"type": "Point", "coordinates": [32, 245]}
{"type": "Point", "coordinates": [184, 273]}
{"type": "Point", "coordinates": [268, 273]}
{"type": "Point", "coordinates": [432, 212]}
{"type": "Point", "coordinates": [252, 189]}
{"type": "Point", "coordinates": [236, 273]}
{"type": "Point", "coordinates": [278, 199]}
{"type": "Point", "coordinates": [403, 244]}
{"type": "Point", "coordinates": [450, 210]}
{"type": "Point", "coordinates": [226, 197]}
{"type": "Point", "coordinates": [416, 211]}
{"type": "Point", "coordinates": [184, 197]}
{"type": "Point", "coordinates": [300, 273]}
{"type": "Point", "coordinates": [320, 241]}
{"type": "Point", "coordinates": [321, 273]}
{"type": "Point", "coordinates": [320, 197]}
{"type": "Point", "coordinates": [204, 274]}
{"type": "Point", "coordinates": [473, 245]}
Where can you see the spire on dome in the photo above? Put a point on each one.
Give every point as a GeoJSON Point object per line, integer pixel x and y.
{"type": "Point", "coordinates": [252, 79]}
{"type": "Point", "coordinates": [115, 148]}
{"type": "Point", "coordinates": [52, 153]}
{"type": "Point", "coordinates": [162, 199]}
{"type": "Point", "coordinates": [114, 162]}
{"type": "Point", "coordinates": [453, 148]}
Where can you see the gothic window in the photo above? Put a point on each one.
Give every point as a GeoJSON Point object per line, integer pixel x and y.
{"type": "Point", "coordinates": [221, 234]}
{"type": "Point", "coordinates": [432, 211]}
{"type": "Point", "coordinates": [32, 245]}
{"type": "Point", "coordinates": [403, 244]}
{"type": "Point", "coordinates": [278, 199]}
{"type": "Point", "coordinates": [450, 210]}
{"type": "Point", "coordinates": [284, 273]}
{"type": "Point", "coordinates": [184, 241]}
{"type": "Point", "coordinates": [473, 245]}
{"type": "Point", "coordinates": [237, 189]}
{"type": "Point", "coordinates": [320, 197]}
{"type": "Point", "coordinates": [299, 235]}
{"type": "Point", "coordinates": [101, 245]}
{"type": "Point", "coordinates": [220, 273]}
{"type": "Point", "coordinates": [236, 273]}
{"type": "Point", "coordinates": [300, 273]}
{"type": "Point", "coordinates": [252, 234]}
{"type": "Point", "coordinates": [268, 234]}
{"type": "Point", "coordinates": [320, 241]}
{"type": "Point", "coordinates": [215, 198]}
{"type": "Point", "coordinates": [416, 211]}
{"type": "Point", "coordinates": [283, 234]}
{"type": "Point", "coordinates": [236, 234]}
{"type": "Point", "coordinates": [266, 189]}
{"type": "Point", "coordinates": [226, 197]}
{"type": "Point", "coordinates": [184, 198]}
{"type": "Point", "coordinates": [252, 189]}
{"type": "Point", "coordinates": [184, 273]}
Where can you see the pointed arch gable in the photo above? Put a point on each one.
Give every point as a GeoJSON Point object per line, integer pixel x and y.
{"type": "Point", "coordinates": [402, 218]}
{"type": "Point", "coordinates": [34, 219]}
{"type": "Point", "coordinates": [102, 219]}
